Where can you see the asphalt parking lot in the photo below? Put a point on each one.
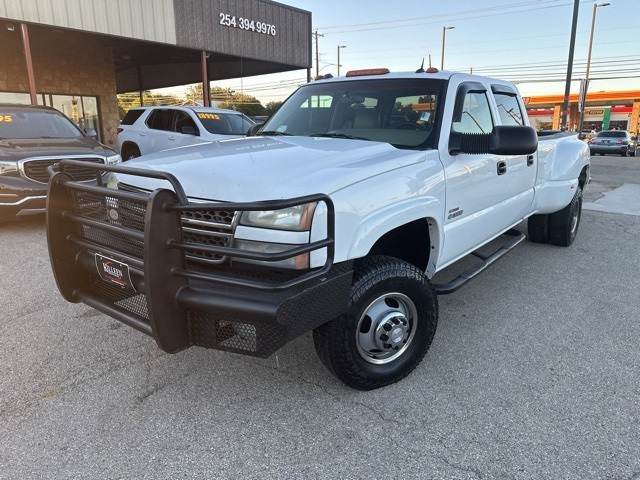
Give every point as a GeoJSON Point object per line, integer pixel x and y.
{"type": "Point", "coordinates": [534, 373]}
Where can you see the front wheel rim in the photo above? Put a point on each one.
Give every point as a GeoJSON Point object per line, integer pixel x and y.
{"type": "Point", "coordinates": [386, 328]}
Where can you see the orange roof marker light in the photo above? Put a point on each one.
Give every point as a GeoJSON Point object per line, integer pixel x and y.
{"type": "Point", "coordinates": [369, 71]}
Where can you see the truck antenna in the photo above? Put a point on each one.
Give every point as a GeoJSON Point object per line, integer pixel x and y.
{"type": "Point", "coordinates": [421, 69]}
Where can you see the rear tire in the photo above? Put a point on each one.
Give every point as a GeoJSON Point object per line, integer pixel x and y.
{"type": "Point", "coordinates": [388, 326]}
{"type": "Point", "coordinates": [563, 224]}
{"type": "Point", "coordinates": [538, 228]}
{"type": "Point", "coordinates": [130, 153]}
{"type": "Point", "coordinates": [623, 154]}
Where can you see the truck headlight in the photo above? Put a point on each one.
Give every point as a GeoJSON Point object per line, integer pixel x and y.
{"type": "Point", "coordinates": [113, 159]}
{"type": "Point", "coordinates": [296, 219]}
{"type": "Point", "coordinates": [298, 262]}
{"type": "Point", "coordinates": [7, 166]}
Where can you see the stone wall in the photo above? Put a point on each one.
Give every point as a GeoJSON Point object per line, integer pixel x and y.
{"type": "Point", "coordinates": [64, 63]}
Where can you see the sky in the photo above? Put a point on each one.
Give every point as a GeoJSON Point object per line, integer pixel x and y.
{"type": "Point", "coordinates": [525, 41]}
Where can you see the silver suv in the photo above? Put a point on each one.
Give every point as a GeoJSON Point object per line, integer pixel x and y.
{"type": "Point", "coordinates": [614, 141]}
{"type": "Point", "coordinates": [151, 129]}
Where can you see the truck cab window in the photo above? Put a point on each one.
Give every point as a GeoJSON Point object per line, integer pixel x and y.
{"type": "Point", "coordinates": [475, 116]}
{"type": "Point", "coordinates": [509, 109]}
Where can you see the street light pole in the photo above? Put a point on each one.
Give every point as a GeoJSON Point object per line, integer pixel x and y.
{"type": "Point", "coordinates": [339, 47]}
{"type": "Point", "coordinates": [586, 76]}
{"type": "Point", "coordinates": [444, 30]}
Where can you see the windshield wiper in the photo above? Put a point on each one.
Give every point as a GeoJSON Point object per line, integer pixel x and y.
{"type": "Point", "coordinates": [274, 133]}
{"type": "Point", "coordinates": [339, 135]}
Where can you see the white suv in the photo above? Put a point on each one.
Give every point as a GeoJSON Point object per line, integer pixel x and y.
{"type": "Point", "coordinates": [151, 129]}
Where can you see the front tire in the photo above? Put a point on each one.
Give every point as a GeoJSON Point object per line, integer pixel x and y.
{"type": "Point", "coordinates": [388, 326]}
{"type": "Point", "coordinates": [563, 224]}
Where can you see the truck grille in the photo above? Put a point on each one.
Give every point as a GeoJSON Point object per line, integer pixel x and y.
{"type": "Point", "coordinates": [36, 170]}
{"type": "Point", "coordinates": [203, 227]}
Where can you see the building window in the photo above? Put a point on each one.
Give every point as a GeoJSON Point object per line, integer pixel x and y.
{"type": "Point", "coordinates": [81, 109]}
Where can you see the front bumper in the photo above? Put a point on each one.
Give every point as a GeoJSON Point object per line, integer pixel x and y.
{"type": "Point", "coordinates": [19, 196]}
{"type": "Point", "coordinates": [177, 301]}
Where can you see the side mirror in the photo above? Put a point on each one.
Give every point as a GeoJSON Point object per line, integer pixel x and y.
{"type": "Point", "coordinates": [254, 129]}
{"type": "Point", "coordinates": [513, 140]}
{"type": "Point", "coordinates": [187, 130]}
{"type": "Point", "coordinates": [90, 132]}
{"type": "Point", "coordinates": [503, 140]}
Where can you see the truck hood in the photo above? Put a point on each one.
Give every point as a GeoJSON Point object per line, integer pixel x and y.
{"type": "Point", "coordinates": [18, 149]}
{"type": "Point", "coordinates": [269, 168]}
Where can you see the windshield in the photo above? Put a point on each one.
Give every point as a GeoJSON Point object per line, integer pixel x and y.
{"type": "Point", "coordinates": [19, 124]}
{"type": "Point", "coordinates": [225, 123]}
{"type": "Point", "coordinates": [402, 112]}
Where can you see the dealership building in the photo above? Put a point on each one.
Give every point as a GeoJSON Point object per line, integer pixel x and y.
{"type": "Point", "coordinates": [76, 55]}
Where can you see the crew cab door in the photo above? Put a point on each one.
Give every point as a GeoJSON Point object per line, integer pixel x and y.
{"type": "Point", "coordinates": [521, 170]}
{"type": "Point", "coordinates": [475, 185]}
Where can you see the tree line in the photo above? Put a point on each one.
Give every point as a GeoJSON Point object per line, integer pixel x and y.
{"type": "Point", "coordinates": [220, 97]}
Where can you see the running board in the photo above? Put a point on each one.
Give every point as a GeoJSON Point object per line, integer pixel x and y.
{"type": "Point", "coordinates": [466, 276]}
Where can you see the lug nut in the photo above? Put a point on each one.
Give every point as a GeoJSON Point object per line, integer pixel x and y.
{"type": "Point", "coordinates": [387, 327]}
{"type": "Point", "coordinates": [384, 337]}
{"type": "Point", "coordinates": [386, 345]}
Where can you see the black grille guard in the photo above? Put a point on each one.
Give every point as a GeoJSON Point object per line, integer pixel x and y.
{"type": "Point", "coordinates": [159, 300]}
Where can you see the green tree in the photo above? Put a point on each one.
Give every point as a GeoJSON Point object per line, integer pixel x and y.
{"type": "Point", "coordinates": [271, 107]}
{"type": "Point", "coordinates": [130, 100]}
{"type": "Point", "coordinates": [246, 104]}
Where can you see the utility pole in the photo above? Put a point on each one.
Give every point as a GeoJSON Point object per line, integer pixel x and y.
{"type": "Point", "coordinates": [339, 47]}
{"type": "Point", "coordinates": [583, 97]}
{"type": "Point", "coordinates": [316, 35]}
{"type": "Point", "coordinates": [572, 45]}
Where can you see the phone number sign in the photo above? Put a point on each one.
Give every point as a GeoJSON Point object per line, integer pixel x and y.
{"type": "Point", "coordinates": [249, 24]}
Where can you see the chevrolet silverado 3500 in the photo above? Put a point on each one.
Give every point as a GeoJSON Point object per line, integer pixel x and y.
{"type": "Point", "coordinates": [333, 217]}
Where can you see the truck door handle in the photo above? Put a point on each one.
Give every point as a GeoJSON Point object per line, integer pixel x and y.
{"type": "Point", "coordinates": [529, 160]}
{"type": "Point", "coordinates": [502, 168]}
{"type": "Point", "coordinates": [172, 138]}
{"type": "Point", "coordinates": [143, 134]}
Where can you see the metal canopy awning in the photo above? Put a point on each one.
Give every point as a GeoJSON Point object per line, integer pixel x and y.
{"type": "Point", "coordinates": [144, 66]}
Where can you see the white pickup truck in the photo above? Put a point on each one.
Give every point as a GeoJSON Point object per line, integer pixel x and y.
{"type": "Point", "coordinates": [333, 217]}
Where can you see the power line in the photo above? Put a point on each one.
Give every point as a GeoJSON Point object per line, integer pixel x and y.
{"type": "Point", "coordinates": [442, 15]}
{"type": "Point", "coordinates": [458, 19]}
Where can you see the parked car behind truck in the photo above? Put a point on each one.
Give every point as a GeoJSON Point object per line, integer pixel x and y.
{"type": "Point", "coordinates": [33, 138]}
{"type": "Point", "coordinates": [333, 218]}
{"type": "Point", "coordinates": [152, 129]}
{"type": "Point", "coordinates": [619, 142]}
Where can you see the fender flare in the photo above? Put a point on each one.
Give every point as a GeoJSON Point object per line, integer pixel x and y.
{"type": "Point", "coordinates": [374, 226]}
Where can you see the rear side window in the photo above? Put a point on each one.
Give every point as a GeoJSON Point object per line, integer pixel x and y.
{"type": "Point", "coordinates": [131, 117]}
{"type": "Point", "coordinates": [160, 119]}
{"type": "Point", "coordinates": [509, 109]}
